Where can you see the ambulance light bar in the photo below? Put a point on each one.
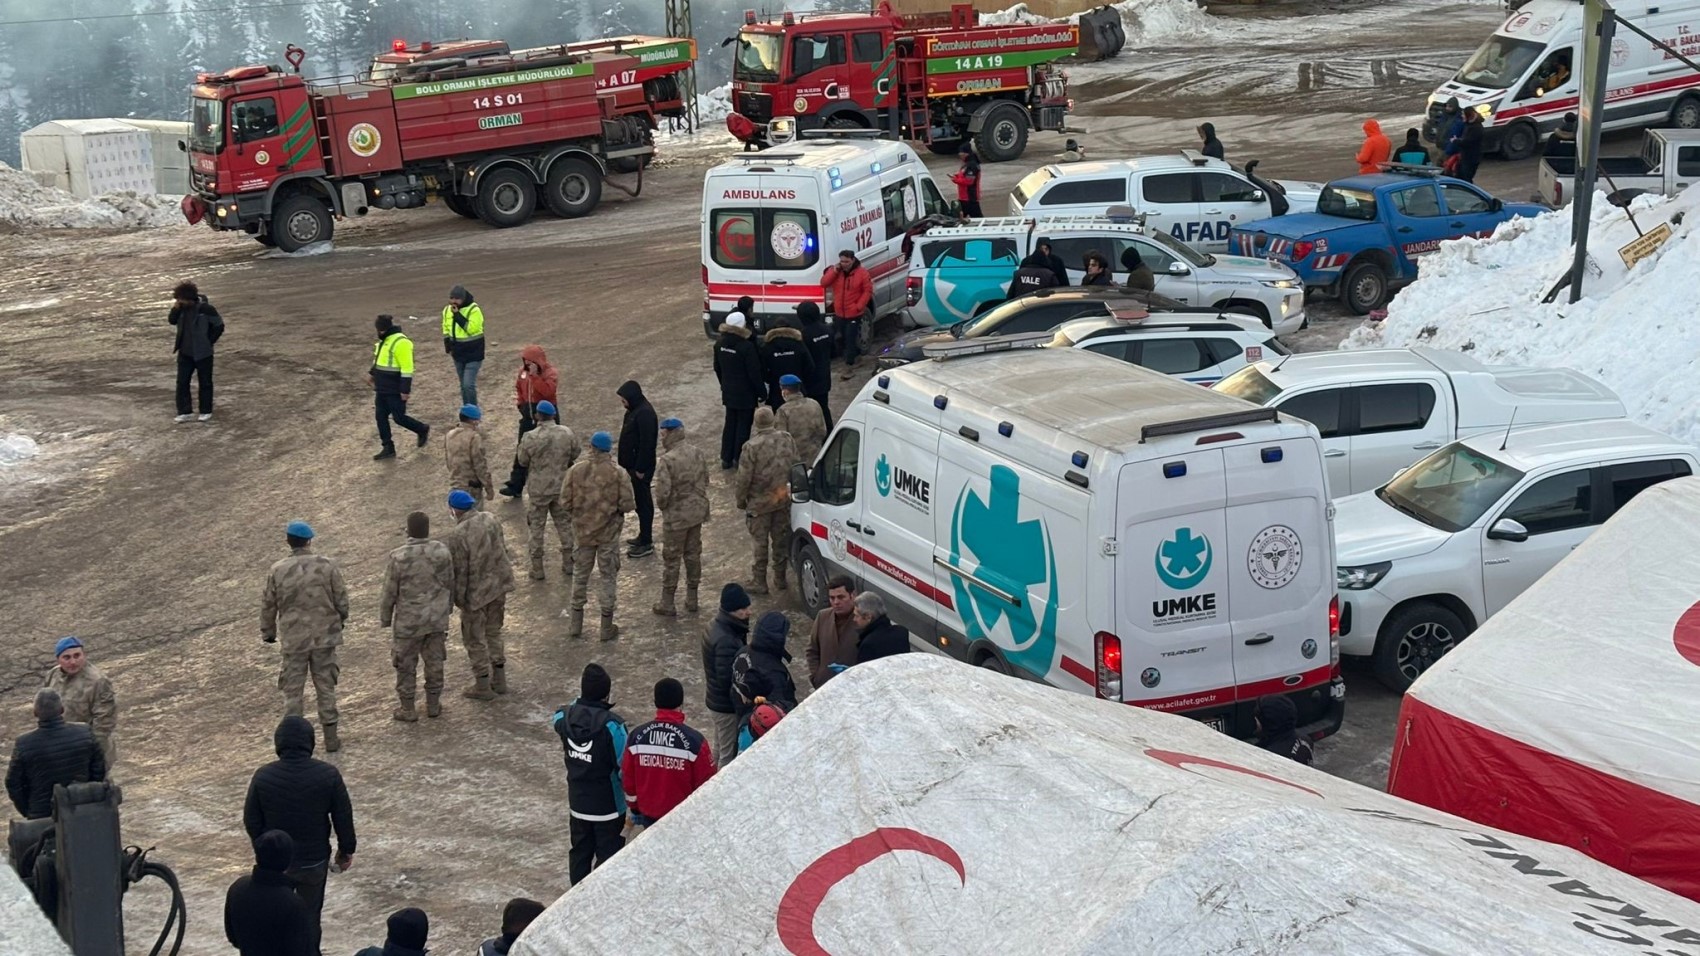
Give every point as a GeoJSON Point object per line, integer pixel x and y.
{"type": "Point", "coordinates": [946, 351]}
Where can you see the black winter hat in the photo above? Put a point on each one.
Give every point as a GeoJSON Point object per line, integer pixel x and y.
{"type": "Point", "coordinates": [669, 694]}
{"type": "Point", "coordinates": [594, 684]}
{"type": "Point", "coordinates": [733, 597]}
{"type": "Point", "coordinates": [459, 292]}
{"type": "Point", "coordinates": [409, 927]}
{"type": "Point", "coordinates": [274, 850]}
{"type": "Point", "coordinates": [1277, 714]}
{"type": "Point", "coordinates": [775, 625]}
{"type": "Point", "coordinates": [808, 311]}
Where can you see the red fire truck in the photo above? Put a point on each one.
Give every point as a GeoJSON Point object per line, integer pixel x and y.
{"type": "Point", "coordinates": [488, 130]}
{"type": "Point", "coordinates": [937, 79]}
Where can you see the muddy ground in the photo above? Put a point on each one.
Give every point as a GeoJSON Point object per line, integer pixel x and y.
{"type": "Point", "coordinates": [150, 539]}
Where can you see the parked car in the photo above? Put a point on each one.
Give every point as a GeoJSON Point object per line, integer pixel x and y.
{"type": "Point", "coordinates": [1456, 537]}
{"type": "Point", "coordinates": [1379, 410]}
{"type": "Point", "coordinates": [1669, 161]}
{"type": "Point", "coordinates": [1193, 348]}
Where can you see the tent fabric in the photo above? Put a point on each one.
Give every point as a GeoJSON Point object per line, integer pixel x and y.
{"type": "Point", "coordinates": [1567, 716]}
{"type": "Point", "coordinates": [91, 157]}
{"type": "Point", "coordinates": [917, 805]}
{"type": "Point", "coordinates": [170, 164]}
{"type": "Point", "coordinates": [23, 928]}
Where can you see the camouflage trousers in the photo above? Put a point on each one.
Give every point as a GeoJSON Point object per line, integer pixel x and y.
{"type": "Point", "coordinates": [481, 632]}
{"type": "Point", "coordinates": [405, 653]}
{"type": "Point", "coordinates": [292, 680]}
{"type": "Point", "coordinates": [769, 536]}
{"type": "Point", "coordinates": [605, 558]}
{"type": "Point", "coordinates": [680, 545]}
{"type": "Point", "coordinates": [538, 511]}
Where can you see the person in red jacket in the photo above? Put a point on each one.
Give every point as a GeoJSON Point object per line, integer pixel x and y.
{"type": "Point", "coordinates": [1376, 150]}
{"type": "Point", "coordinates": [852, 294]}
{"type": "Point", "coordinates": [536, 382]}
{"type": "Point", "coordinates": [665, 760]}
{"type": "Point", "coordinates": [967, 180]}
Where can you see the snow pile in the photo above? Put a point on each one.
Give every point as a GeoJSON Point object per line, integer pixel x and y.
{"type": "Point", "coordinates": [1147, 22]}
{"type": "Point", "coordinates": [23, 928]}
{"type": "Point", "coordinates": [714, 106]}
{"type": "Point", "coordinates": [1632, 329]}
{"type": "Point", "coordinates": [17, 449]}
{"type": "Point", "coordinates": [26, 203]}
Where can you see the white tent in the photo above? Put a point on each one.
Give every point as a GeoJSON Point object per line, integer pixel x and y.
{"type": "Point", "coordinates": [1569, 715]}
{"type": "Point", "coordinates": [917, 805]}
{"type": "Point", "coordinates": [23, 928]}
{"type": "Point", "coordinates": [170, 164]}
{"type": "Point", "coordinates": [91, 157]}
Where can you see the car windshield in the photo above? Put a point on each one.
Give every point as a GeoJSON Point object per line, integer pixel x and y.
{"type": "Point", "coordinates": [1250, 384]}
{"type": "Point", "coordinates": [1031, 184]}
{"type": "Point", "coordinates": [1179, 250]}
{"type": "Point", "coordinates": [382, 71]}
{"type": "Point", "coordinates": [1451, 488]}
{"type": "Point", "coordinates": [757, 58]}
{"type": "Point", "coordinates": [1500, 63]}
{"type": "Point", "coordinates": [987, 321]}
{"type": "Point", "coordinates": [206, 125]}
{"type": "Point", "coordinates": [1346, 203]}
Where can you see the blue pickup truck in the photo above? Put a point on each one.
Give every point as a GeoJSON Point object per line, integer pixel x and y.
{"type": "Point", "coordinates": [1368, 232]}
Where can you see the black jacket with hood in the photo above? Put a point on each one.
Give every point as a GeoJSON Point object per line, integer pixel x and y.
{"type": "Point", "coordinates": [721, 645]}
{"type": "Point", "coordinates": [55, 752]}
{"type": "Point", "coordinates": [593, 739]}
{"type": "Point", "coordinates": [817, 335]}
{"type": "Point", "coordinates": [1279, 720]}
{"type": "Point", "coordinates": [1212, 145]}
{"type": "Point", "coordinates": [198, 328]}
{"type": "Point", "coordinates": [785, 353]}
{"type": "Point", "coordinates": [760, 670]}
{"type": "Point", "coordinates": [737, 364]}
{"type": "Point", "coordinates": [301, 796]}
{"type": "Point", "coordinates": [1052, 261]}
{"type": "Point", "coordinates": [638, 431]}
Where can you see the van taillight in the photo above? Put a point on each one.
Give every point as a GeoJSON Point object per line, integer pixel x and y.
{"type": "Point", "coordinates": [1109, 657]}
{"type": "Point", "coordinates": [912, 290]}
{"type": "Point", "coordinates": [705, 277]}
{"type": "Point", "coordinates": [1558, 193]}
{"type": "Point", "coordinates": [1334, 620]}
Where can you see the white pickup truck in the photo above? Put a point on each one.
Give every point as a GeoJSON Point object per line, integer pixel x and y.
{"type": "Point", "coordinates": [1381, 410]}
{"type": "Point", "coordinates": [1669, 161]}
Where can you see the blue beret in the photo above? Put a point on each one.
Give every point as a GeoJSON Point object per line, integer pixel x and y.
{"type": "Point", "coordinates": [671, 423]}
{"type": "Point", "coordinates": [790, 381]}
{"type": "Point", "coordinates": [65, 644]}
{"type": "Point", "coordinates": [545, 408]}
{"type": "Point", "coordinates": [462, 501]}
{"type": "Point", "coordinates": [471, 411]}
{"type": "Point", "coordinates": [299, 529]}
{"type": "Point", "coordinates": [602, 441]}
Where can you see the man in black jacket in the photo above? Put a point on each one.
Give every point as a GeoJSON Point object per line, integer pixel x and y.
{"type": "Point", "coordinates": [263, 915]}
{"type": "Point", "coordinates": [761, 671]}
{"type": "Point", "coordinates": [52, 754]}
{"type": "Point", "coordinates": [1043, 256]}
{"type": "Point", "coordinates": [737, 364]}
{"type": "Point", "coordinates": [1276, 720]}
{"type": "Point", "coordinates": [638, 436]}
{"type": "Point", "coordinates": [721, 645]}
{"type": "Point", "coordinates": [593, 738]}
{"type": "Point", "coordinates": [817, 335]}
{"type": "Point", "coordinates": [1212, 146]}
{"type": "Point", "coordinates": [304, 798]}
{"type": "Point", "coordinates": [879, 636]}
{"type": "Point", "coordinates": [784, 353]}
{"type": "Point", "coordinates": [198, 326]}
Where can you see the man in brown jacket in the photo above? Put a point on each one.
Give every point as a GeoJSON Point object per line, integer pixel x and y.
{"type": "Point", "coordinates": [835, 635]}
{"type": "Point", "coordinates": [599, 493]}
{"type": "Point", "coordinates": [303, 607]}
{"type": "Point", "coordinates": [469, 468]}
{"type": "Point", "coordinates": [417, 599]}
{"type": "Point", "coordinates": [762, 490]}
{"type": "Point", "coordinates": [681, 492]}
{"type": "Point", "coordinates": [483, 576]}
{"type": "Point", "coordinates": [87, 695]}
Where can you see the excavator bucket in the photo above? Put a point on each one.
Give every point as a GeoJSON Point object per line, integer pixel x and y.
{"type": "Point", "coordinates": [1101, 33]}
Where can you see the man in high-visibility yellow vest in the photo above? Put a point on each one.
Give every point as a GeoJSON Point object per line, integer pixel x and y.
{"type": "Point", "coordinates": [463, 339]}
{"type": "Point", "coordinates": [391, 379]}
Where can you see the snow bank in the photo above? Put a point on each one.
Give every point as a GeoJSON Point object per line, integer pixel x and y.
{"type": "Point", "coordinates": [1632, 330]}
{"type": "Point", "coordinates": [28, 204]}
{"type": "Point", "coordinates": [23, 928]}
{"type": "Point", "coordinates": [1149, 22]}
{"type": "Point", "coordinates": [16, 449]}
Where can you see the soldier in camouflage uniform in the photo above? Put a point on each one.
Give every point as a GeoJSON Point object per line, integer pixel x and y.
{"type": "Point", "coordinates": [763, 490]}
{"type": "Point", "coordinates": [483, 576]}
{"type": "Point", "coordinates": [599, 493]}
{"type": "Point", "coordinates": [681, 492]}
{"type": "Point", "coordinates": [547, 451]}
{"type": "Point", "coordinates": [304, 607]}
{"type": "Point", "coordinates": [801, 418]}
{"type": "Point", "coordinates": [417, 600]}
{"type": "Point", "coordinates": [87, 695]}
{"type": "Point", "coordinates": [469, 470]}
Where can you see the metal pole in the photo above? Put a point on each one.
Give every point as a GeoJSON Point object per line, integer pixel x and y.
{"type": "Point", "coordinates": [1592, 109]}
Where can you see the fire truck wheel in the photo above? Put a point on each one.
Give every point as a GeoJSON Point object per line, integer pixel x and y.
{"type": "Point", "coordinates": [506, 197]}
{"type": "Point", "coordinates": [264, 237]}
{"type": "Point", "coordinates": [945, 147]}
{"type": "Point", "coordinates": [300, 220]}
{"type": "Point", "coordinates": [1004, 137]}
{"type": "Point", "coordinates": [462, 205]}
{"type": "Point", "coordinates": [574, 188]}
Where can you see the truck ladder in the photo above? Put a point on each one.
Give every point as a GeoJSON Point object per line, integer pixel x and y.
{"type": "Point", "coordinates": [322, 129]}
{"type": "Point", "coordinates": [912, 94]}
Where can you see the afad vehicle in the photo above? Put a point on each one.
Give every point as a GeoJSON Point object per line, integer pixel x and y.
{"type": "Point", "coordinates": [937, 79]}
{"type": "Point", "coordinates": [1528, 74]}
{"type": "Point", "coordinates": [488, 130]}
{"type": "Point", "coordinates": [1074, 519]}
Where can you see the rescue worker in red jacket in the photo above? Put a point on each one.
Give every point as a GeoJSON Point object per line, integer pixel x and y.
{"type": "Point", "coordinates": [967, 180]}
{"type": "Point", "coordinates": [535, 383]}
{"type": "Point", "coordinates": [852, 292]}
{"type": "Point", "coordinates": [665, 760]}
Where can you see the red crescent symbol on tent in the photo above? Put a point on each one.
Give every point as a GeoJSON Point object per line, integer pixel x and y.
{"type": "Point", "coordinates": [1687, 635]}
{"type": "Point", "coordinates": [1180, 761]}
{"type": "Point", "coordinates": [796, 920]}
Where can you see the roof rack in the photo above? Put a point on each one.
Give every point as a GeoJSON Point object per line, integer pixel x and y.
{"type": "Point", "coordinates": [963, 348]}
{"type": "Point", "coordinates": [766, 157]}
{"type": "Point", "coordinates": [1414, 169]}
{"type": "Point", "coordinates": [1227, 420]}
{"type": "Point", "coordinates": [842, 133]}
{"type": "Point", "coordinates": [1195, 157]}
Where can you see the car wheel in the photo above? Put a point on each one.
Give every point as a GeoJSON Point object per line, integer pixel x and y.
{"type": "Point", "coordinates": [811, 576]}
{"type": "Point", "coordinates": [1412, 640]}
{"type": "Point", "coordinates": [300, 220]}
{"type": "Point", "coordinates": [506, 197]}
{"type": "Point", "coordinates": [1686, 113]}
{"type": "Point", "coordinates": [993, 663]}
{"type": "Point", "coordinates": [1364, 287]}
{"type": "Point", "coordinates": [264, 238]}
{"type": "Point", "coordinates": [461, 205]}
{"type": "Point", "coordinates": [574, 188]}
{"type": "Point", "coordinates": [1004, 137]}
{"type": "Point", "coordinates": [1519, 142]}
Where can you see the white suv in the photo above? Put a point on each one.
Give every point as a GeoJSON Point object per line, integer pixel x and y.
{"type": "Point", "coordinates": [1192, 347]}
{"type": "Point", "coordinates": [1454, 538]}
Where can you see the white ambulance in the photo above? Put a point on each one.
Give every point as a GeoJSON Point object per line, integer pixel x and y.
{"type": "Point", "coordinates": [1528, 74]}
{"type": "Point", "coordinates": [1070, 518]}
{"type": "Point", "coordinates": [773, 221]}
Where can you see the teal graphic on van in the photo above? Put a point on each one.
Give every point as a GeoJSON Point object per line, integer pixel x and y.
{"type": "Point", "coordinates": [963, 274]}
{"type": "Point", "coordinates": [1183, 561]}
{"type": "Point", "coordinates": [882, 477]}
{"type": "Point", "coordinates": [1013, 556]}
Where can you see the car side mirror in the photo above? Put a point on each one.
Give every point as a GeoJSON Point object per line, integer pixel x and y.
{"type": "Point", "coordinates": [799, 483]}
{"type": "Point", "coordinates": [1496, 204]}
{"type": "Point", "coordinates": [1257, 195]}
{"type": "Point", "coordinates": [1178, 268]}
{"type": "Point", "coordinates": [1506, 529]}
{"type": "Point", "coordinates": [182, 147]}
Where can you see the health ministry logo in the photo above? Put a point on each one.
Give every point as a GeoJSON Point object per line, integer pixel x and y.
{"type": "Point", "coordinates": [1012, 555]}
{"type": "Point", "coordinates": [1183, 561]}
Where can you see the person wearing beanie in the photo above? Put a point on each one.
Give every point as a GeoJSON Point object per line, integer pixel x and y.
{"type": "Point", "coordinates": [667, 760]}
{"type": "Point", "coordinates": [593, 739]}
{"type": "Point", "coordinates": [463, 452]}
{"type": "Point", "coordinates": [199, 327]}
{"type": "Point", "coordinates": [801, 418]}
{"type": "Point", "coordinates": [598, 496]}
{"type": "Point", "coordinates": [1412, 152]}
{"type": "Point", "coordinates": [416, 601]}
{"type": "Point", "coordinates": [54, 753]}
{"type": "Point", "coordinates": [760, 672]}
{"type": "Point", "coordinates": [681, 492]}
{"type": "Point", "coordinates": [391, 378]}
{"type": "Point", "coordinates": [463, 340]}
{"type": "Point", "coordinates": [1562, 142]}
{"type": "Point", "coordinates": [817, 335]}
{"type": "Point", "coordinates": [1209, 145]}
{"type": "Point", "coordinates": [638, 440]}
{"type": "Point", "coordinates": [967, 180]}
{"type": "Point", "coordinates": [851, 291]}
{"type": "Point", "coordinates": [535, 385]}
{"type": "Point", "coordinates": [406, 932]}
{"type": "Point", "coordinates": [302, 609]}
{"type": "Point", "coordinates": [545, 453]}
{"type": "Point", "coordinates": [737, 367]}
{"type": "Point", "coordinates": [518, 914]}
{"type": "Point", "coordinates": [483, 576]}
{"type": "Point", "coordinates": [724, 640]}
{"type": "Point", "coordinates": [784, 353]}
{"type": "Point", "coordinates": [762, 491]}
{"type": "Point", "coordinates": [263, 915]}
{"type": "Point", "coordinates": [1276, 721]}
{"type": "Point", "coordinates": [87, 694]}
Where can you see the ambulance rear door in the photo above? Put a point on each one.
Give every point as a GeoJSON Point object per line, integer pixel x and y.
{"type": "Point", "coordinates": [763, 235]}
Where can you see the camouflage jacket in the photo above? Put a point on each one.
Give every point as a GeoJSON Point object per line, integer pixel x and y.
{"type": "Point", "coordinates": [802, 419]}
{"type": "Point", "coordinates": [599, 493]}
{"type": "Point", "coordinates": [763, 484]}
{"type": "Point", "coordinates": [483, 571]}
{"type": "Point", "coordinates": [304, 603]}
{"type": "Point", "coordinates": [681, 482]}
{"type": "Point", "coordinates": [548, 450]}
{"type": "Point", "coordinates": [418, 591]}
{"type": "Point", "coordinates": [88, 700]}
{"type": "Point", "coordinates": [468, 468]}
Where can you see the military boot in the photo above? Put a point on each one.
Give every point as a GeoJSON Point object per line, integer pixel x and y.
{"type": "Point", "coordinates": [481, 690]}
{"type": "Point", "coordinates": [757, 585]}
{"type": "Point", "coordinates": [405, 712]}
{"type": "Point", "coordinates": [609, 630]}
{"type": "Point", "coordinates": [433, 704]}
{"type": "Point", "coordinates": [537, 569]}
{"type": "Point", "coordinates": [779, 581]}
{"type": "Point", "coordinates": [691, 599]}
{"type": "Point", "coordinates": [332, 742]}
{"type": "Point", "coordinates": [664, 607]}
{"type": "Point", "coordinates": [499, 678]}
{"type": "Point", "coordinates": [575, 625]}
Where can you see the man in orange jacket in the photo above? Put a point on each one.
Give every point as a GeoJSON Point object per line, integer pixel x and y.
{"type": "Point", "coordinates": [1376, 150]}
{"type": "Point", "coordinates": [535, 384]}
{"type": "Point", "coordinates": [852, 293]}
